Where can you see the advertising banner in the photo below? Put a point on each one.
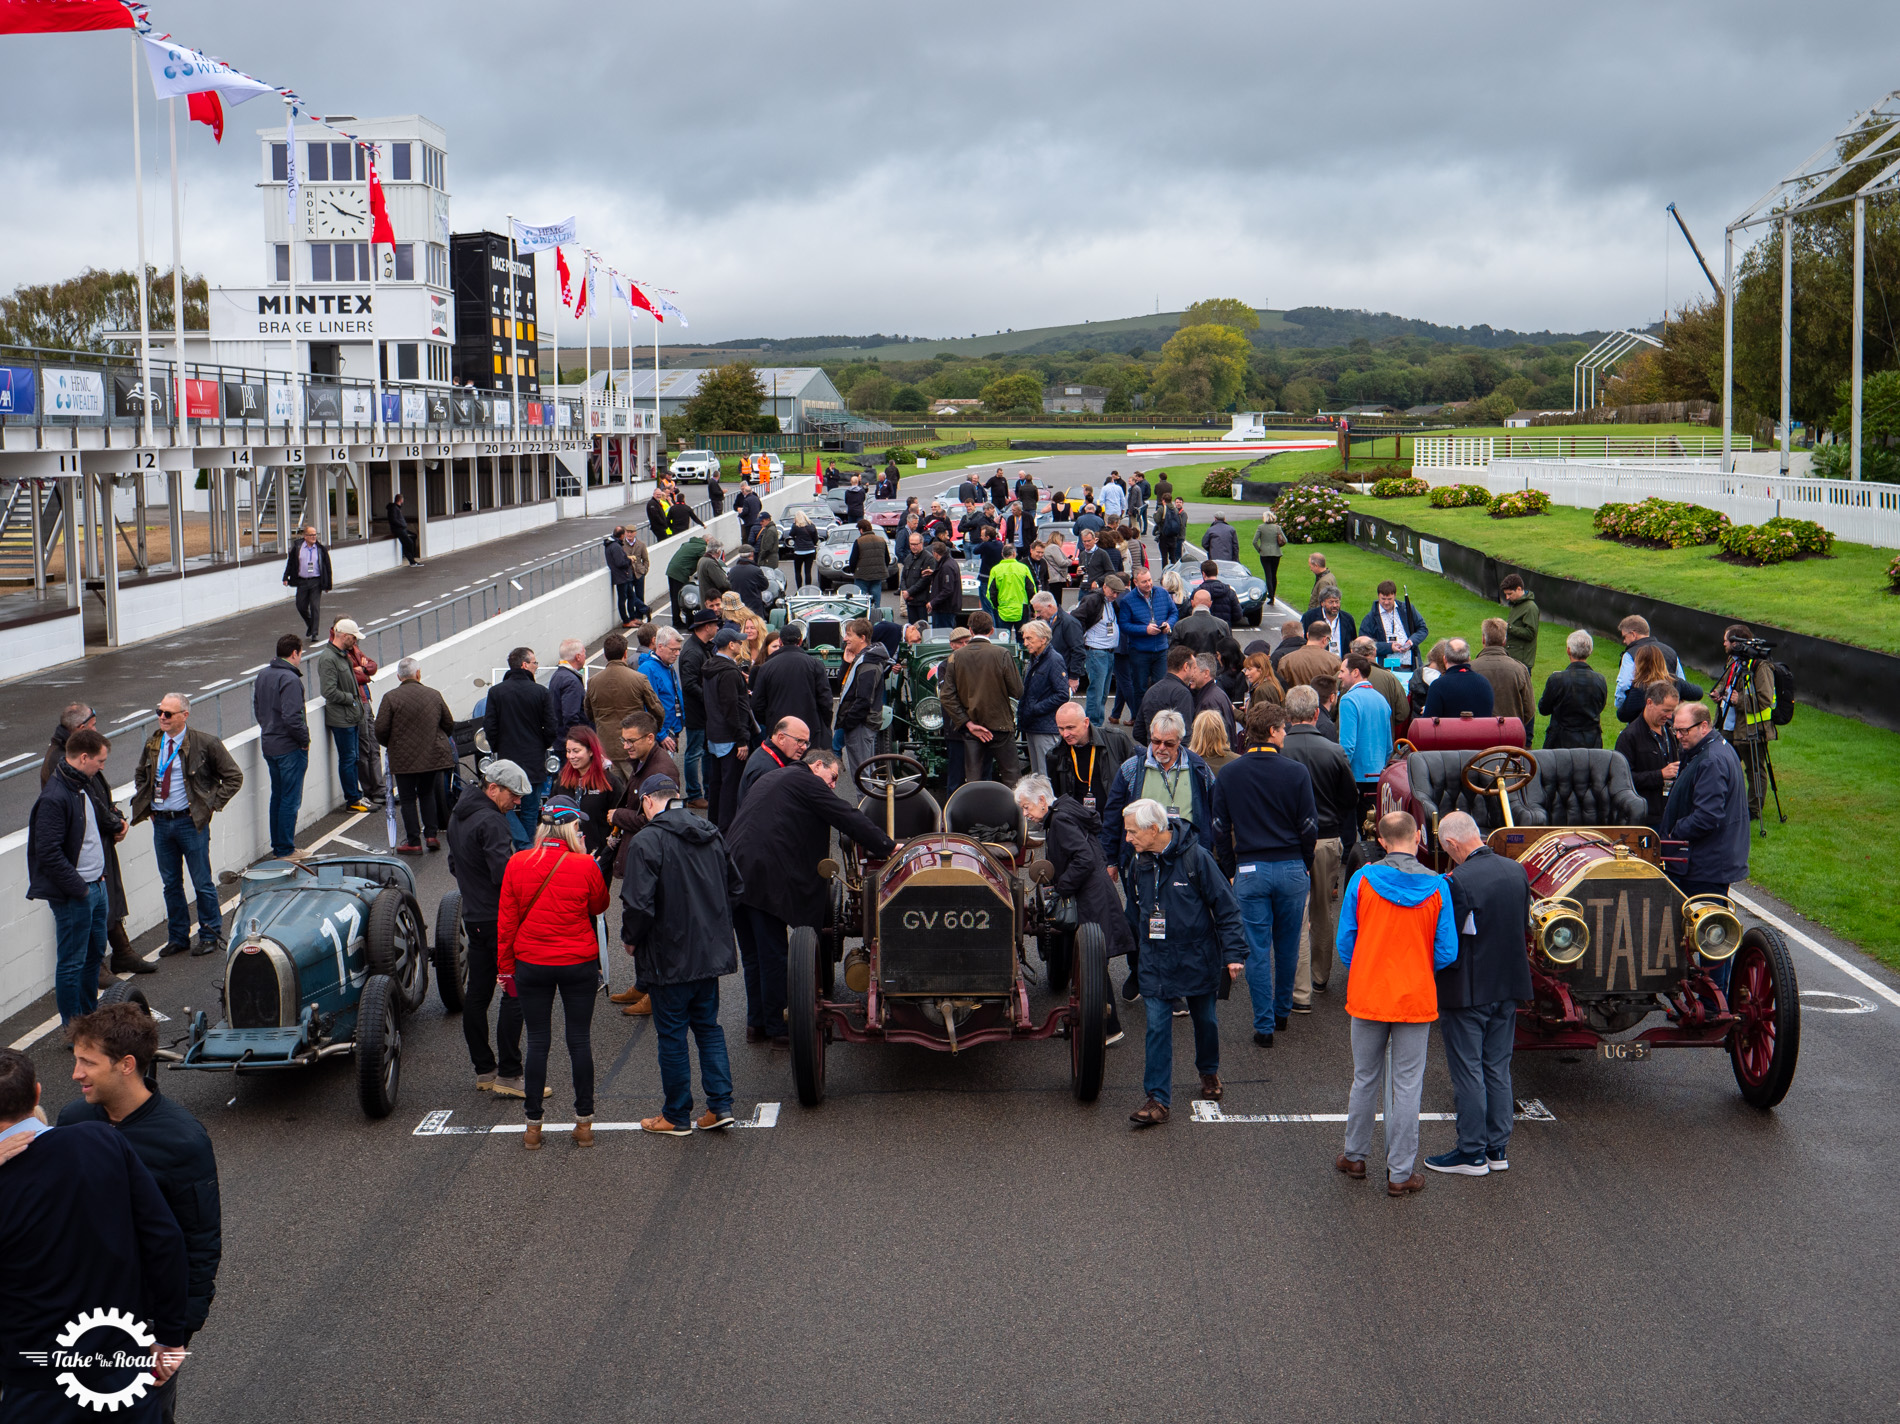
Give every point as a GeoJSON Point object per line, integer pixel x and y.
{"type": "Point", "coordinates": [322, 404]}
{"type": "Point", "coordinates": [407, 311]}
{"type": "Point", "coordinates": [436, 404]}
{"type": "Point", "coordinates": [533, 413]}
{"type": "Point", "coordinates": [74, 393]}
{"type": "Point", "coordinates": [415, 408]}
{"type": "Point", "coordinates": [201, 400]}
{"type": "Point", "coordinates": [499, 413]}
{"type": "Point", "coordinates": [283, 403]}
{"type": "Point", "coordinates": [465, 408]}
{"type": "Point", "coordinates": [244, 400]}
{"type": "Point", "coordinates": [392, 407]}
{"type": "Point", "coordinates": [18, 391]}
{"type": "Point", "coordinates": [563, 416]}
{"type": "Point", "coordinates": [128, 398]}
{"type": "Point", "coordinates": [358, 406]}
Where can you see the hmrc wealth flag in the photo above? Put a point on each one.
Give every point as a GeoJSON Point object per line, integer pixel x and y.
{"type": "Point", "coordinates": [539, 239]}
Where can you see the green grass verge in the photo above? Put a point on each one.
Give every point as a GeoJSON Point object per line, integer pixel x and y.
{"type": "Point", "coordinates": [1838, 776]}
{"type": "Point", "coordinates": [1843, 597]}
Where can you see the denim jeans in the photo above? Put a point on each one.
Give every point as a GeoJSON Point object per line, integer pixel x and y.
{"type": "Point", "coordinates": [578, 986]}
{"type": "Point", "coordinates": [1144, 670]}
{"type": "Point", "coordinates": [1157, 1078]}
{"type": "Point", "coordinates": [179, 846]}
{"type": "Point", "coordinates": [1101, 669]}
{"type": "Point", "coordinates": [526, 816]}
{"type": "Point", "coordinates": [1122, 684]}
{"type": "Point", "coordinates": [1479, 1041]}
{"type": "Point", "coordinates": [1272, 896]}
{"type": "Point", "coordinates": [79, 937]}
{"type": "Point", "coordinates": [345, 739]}
{"type": "Point", "coordinates": [286, 798]}
{"type": "Point", "coordinates": [676, 1009]}
{"type": "Point", "coordinates": [692, 766]}
{"type": "Point", "coordinates": [872, 589]}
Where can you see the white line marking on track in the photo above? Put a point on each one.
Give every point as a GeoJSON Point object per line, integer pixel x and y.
{"type": "Point", "coordinates": [128, 717]}
{"type": "Point", "coordinates": [436, 1124]}
{"type": "Point", "coordinates": [1528, 1110]}
{"type": "Point", "coordinates": [248, 671]}
{"type": "Point", "coordinates": [219, 683]}
{"type": "Point", "coordinates": [1808, 942]}
{"type": "Point", "coordinates": [12, 759]}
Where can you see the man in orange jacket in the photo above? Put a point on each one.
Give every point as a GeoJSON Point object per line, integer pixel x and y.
{"type": "Point", "coordinates": [1395, 931]}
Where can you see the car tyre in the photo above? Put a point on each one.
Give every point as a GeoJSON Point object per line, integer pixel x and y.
{"type": "Point", "coordinates": [1058, 957]}
{"type": "Point", "coordinates": [450, 953]}
{"type": "Point", "coordinates": [1253, 618]}
{"type": "Point", "coordinates": [807, 1034]}
{"type": "Point", "coordinates": [1088, 1030]}
{"type": "Point", "coordinates": [1763, 1047]}
{"type": "Point", "coordinates": [393, 945]}
{"type": "Point", "coordinates": [126, 991]}
{"type": "Point", "coordinates": [378, 1048]}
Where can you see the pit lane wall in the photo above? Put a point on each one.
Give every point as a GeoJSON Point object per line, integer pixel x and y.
{"type": "Point", "coordinates": [240, 833]}
{"type": "Point", "coordinates": [1836, 677]}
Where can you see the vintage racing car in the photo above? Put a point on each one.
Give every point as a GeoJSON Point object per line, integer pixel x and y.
{"type": "Point", "coordinates": [915, 720]}
{"type": "Point", "coordinates": [941, 925]}
{"type": "Point", "coordinates": [1249, 588]}
{"type": "Point", "coordinates": [327, 956]}
{"type": "Point", "coordinates": [775, 585]}
{"type": "Point", "coordinates": [1612, 940]}
{"type": "Point", "coordinates": [824, 616]}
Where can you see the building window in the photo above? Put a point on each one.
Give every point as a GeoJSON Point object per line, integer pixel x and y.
{"type": "Point", "coordinates": [320, 262]}
{"type": "Point", "coordinates": [438, 363]}
{"type": "Point", "coordinates": [405, 262]}
{"type": "Point", "coordinates": [280, 163]}
{"type": "Point", "coordinates": [405, 360]}
{"type": "Point", "coordinates": [438, 265]}
{"type": "Point", "coordinates": [434, 167]}
{"type": "Point", "coordinates": [498, 365]}
{"type": "Point", "coordinates": [399, 162]}
{"type": "Point", "coordinates": [281, 264]}
{"type": "Point", "coordinates": [345, 262]}
{"type": "Point", "coordinates": [340, 162]}
{"type": "Point", "coordinates": [340, 262]}
{"type": "Point", "coordinates": [318, 168]}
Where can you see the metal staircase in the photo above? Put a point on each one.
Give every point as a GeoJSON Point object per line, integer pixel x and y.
{"type": "Point", "coordinates": [16, 529]}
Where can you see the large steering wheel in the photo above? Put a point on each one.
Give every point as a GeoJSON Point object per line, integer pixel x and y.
{"type": "Point", "coordinates": [1509, 768]}
{"type": "Point", "coordinates": [902, 787]}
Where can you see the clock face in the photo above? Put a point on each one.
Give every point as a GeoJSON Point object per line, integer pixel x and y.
{"type": "Point", "coordinates": [332, 211]}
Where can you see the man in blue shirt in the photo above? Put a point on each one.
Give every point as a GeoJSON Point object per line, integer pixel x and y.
{"type": "Point", "coordinates": [1146, 616]}
{"type": "Point", "coordinates": [1365, 722]}
{"type": "Point", "coordinates": [657, 666]}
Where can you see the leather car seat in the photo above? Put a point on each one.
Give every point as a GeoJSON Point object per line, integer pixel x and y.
{"type": "Point", "coordinates": [989, 804]}
{"type": "Point", "coordinates": [1579, 786]}
{"type": "Point", "coordinates": [917, 815]}
{"type": "Point", "coordinates": [1438, 786]}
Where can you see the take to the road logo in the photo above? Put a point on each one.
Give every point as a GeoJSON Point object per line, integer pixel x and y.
{"type": "Point", "coordinates": [115, 1343]}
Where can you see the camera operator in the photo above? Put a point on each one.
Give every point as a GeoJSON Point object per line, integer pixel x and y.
{"type": "Point", "coordinates": [1745, 706]}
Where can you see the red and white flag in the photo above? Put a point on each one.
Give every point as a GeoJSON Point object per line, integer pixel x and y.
{"type": "Point", "coordinates": [207, 108]}
{"type": "Point", "coordinates": [638, 298]}
{"type": "Point", "coordinates": [585, 295]}
{"type": "Point", "coordinates": [380, 229]}
{"type": "Point", "coordinates": [57, 17]}
{"type": "Point", "coordinates": [560, 266]}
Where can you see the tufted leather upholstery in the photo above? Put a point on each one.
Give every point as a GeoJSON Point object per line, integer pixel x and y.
{"type": "Point", "coordinates": [983, 803]}
{"type": "Point", "coordinates": [1588, 787]}
{"type": "Point", "coordinates": [1437, 785]}
{"type": "Point", "coordinates": [917, 815]}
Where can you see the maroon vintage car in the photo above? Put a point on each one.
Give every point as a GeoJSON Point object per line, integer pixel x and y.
{"type": "Point", "coordinates": [941, 926]}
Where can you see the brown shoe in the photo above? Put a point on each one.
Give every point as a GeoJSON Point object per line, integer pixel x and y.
{"type": "Point", "coordinates": [1149, 1114]}
{"type": "Point", "coordinates": [1355, 1170]}
{"type": "Point", "coordinates": [628, 995]}
{"type": "Point", "coordinates": [584, 1131]}
{"type": "Point", "coordinates": [710, 1121]}
{"type": "Point", "coordinates": [106, 977]}
{"type": "Point", "coordinates": [639, 1008]}
{"type": "Point", "coordinates": [1413, 1183]}
{"type": "Point", "coordinates": [660, 1123]}
{"type": "Point", "coordinates": [532, 1141]}
{"type": "Point", "coordinates": [1210, 1087]}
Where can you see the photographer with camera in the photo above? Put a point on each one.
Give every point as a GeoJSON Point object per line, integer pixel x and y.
{"type": "Point", "coordinates": [1745, 708]}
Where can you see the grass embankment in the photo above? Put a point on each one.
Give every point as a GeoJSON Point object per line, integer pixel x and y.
{"type": "Point", "coordinates": [1840, 779]}
{"type": "Point", "coordinates": [1843, 597]}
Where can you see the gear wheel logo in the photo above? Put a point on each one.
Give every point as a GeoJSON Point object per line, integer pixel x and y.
{"type": "Point", "coordinates": [113, 1319]}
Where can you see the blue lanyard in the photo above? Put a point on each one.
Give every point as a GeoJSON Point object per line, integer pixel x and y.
{"type": "Point", "coordinates": [165, 763]}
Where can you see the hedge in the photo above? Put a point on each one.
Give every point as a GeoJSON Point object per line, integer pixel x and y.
{"type": "Point", "coordinates": [1399, 487]}
{"type": "Point", "coordinates": [1459, 496]}
{"type": "Point", "coordinates": [1312, 514]}
{"type": "Point", "coordinates": [1893, 574]}
{"type": "Point", "coordinates": [1519, 503]}
{"type": "Point", "coordinates": [1776, 540]}
{"type": "Point", "coordinates": [1660, 521]}
{"type": "Point", "coordinates": [1220, 482]}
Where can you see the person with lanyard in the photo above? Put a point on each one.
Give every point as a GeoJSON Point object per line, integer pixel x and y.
{"type": "Point", "coordinates": [1085, 762]}
{"type": "Point", "coordinates": [1397, 632]}
{"type": "Point", "coordinates": [307, 569]}
{"type": "Point", "coordinates": [183, 779]}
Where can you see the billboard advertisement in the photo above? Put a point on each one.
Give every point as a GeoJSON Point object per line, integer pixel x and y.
{"type": "Point", "coordinates": [74, 393]}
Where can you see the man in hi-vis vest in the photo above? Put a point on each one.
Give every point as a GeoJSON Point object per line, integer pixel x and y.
{"type": "Point", "coordinates": [1395, 931]}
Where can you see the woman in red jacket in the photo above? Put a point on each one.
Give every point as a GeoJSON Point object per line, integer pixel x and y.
{"type": "Point", "coordinates": [546, 943]}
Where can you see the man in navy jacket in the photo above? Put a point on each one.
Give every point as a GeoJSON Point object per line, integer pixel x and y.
{"type": "Point", "coordinates": [1707, 807]}
{"type": "Point", "coordinates": [1478, 995]}
{"type": "Point", "coordinates": [85, 1229]}
{"type": "Point", "coordinates": [1460, 690]}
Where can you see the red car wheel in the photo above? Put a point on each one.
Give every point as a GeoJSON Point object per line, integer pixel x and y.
{"type": "Point", "coordinates": [1762, 992]}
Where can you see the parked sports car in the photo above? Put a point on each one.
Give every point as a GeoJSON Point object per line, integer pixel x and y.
{"type": "Point", "coordinates": [830, 570]}
{"type": "Point", "coordinates": [1248, 586]}
{"type": "Point", "coordinates": [774, 589]}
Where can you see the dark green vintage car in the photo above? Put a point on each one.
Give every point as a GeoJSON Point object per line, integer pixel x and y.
{"type": "Point", "coordinates": [823, 617]}
{"type": "Point", "coordinates": [913, 722]}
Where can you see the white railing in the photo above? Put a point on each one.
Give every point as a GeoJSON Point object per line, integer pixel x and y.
{"type": "Point", "coordinates": [1861, 512]}
{"type": "Point", "coordinates": [1467, 452]}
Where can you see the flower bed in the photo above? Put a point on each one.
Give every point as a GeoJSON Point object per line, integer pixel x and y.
{"type": "Point", "coordinates": [1660, 523]}
{"type": "Point", "coordinates": [1893, 575]}
{"type": "Point", "coordinates": [1460, 496]}
{"type": "Point", "coordinates": [1399, 487]}
{"type": "Point", "coordinates": [1776, 541]}
{"type": "Point", "coordinates": [1519, 503]}
{"type": "Point", "coordinates": [1313, 514]}
{"type": "Point", "coordinates": [1220, 482]}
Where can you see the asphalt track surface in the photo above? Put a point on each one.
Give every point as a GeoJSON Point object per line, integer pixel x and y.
{"type": "Point", "coordinates": [958, 1238]}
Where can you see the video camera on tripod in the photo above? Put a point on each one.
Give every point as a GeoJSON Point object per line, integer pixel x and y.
{"type": "Point", "coordinates": [1747, 655]}
{"type": "Point", "coordinates": [1753, 650]}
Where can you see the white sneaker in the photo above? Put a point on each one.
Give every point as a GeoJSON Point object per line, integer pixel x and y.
{"type": "Point", "coordinates": [1114, 1038]}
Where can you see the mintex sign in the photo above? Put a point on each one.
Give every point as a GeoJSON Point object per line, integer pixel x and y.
{"type": "Point", "coordinates": [406, 313]}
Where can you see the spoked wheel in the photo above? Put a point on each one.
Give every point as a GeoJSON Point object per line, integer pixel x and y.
{"type": "Point", "coordinates": [1762, 1048]}
{"type": "Point", "coordinates": [808, 1035]}
{"type": "Point", "coordinates": [378, 1046]}
{"type": "Point", "coordinates": [1088, 996]}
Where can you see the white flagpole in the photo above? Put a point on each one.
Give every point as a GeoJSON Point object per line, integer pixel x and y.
{"type": "Point", "coordinates": [587, 395]}
{"type": "Point", "coordinates": [656, 389]}
{"type": "Point", "coordinates": [554, 417]}
{"type": "Point", "coordinates": [178, 283]}
{"type": "Point", "coordinates": [145, 320]}
{"type": "Point", "coordinates": [295, 414]}
{"type": "Point", "coordinates": [376, 315]}
{"type": "Point", "coordinates": [514, 331]}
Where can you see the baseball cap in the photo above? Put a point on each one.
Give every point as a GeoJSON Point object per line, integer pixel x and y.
{"type": "Point", "coordinates": [727, 637]}
{"type": "Point", "coordinates": [508, 777]}
{"type": "Point", "coordinates": [659, 786]}
{"type": "Point", "coordinates": [704, 617]}
{"type": "Point", "coordinates": [559, 810]}
{"type": "Point", "coordinates": [346, 626]}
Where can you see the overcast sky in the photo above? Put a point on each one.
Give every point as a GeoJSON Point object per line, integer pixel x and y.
{"type": "Point", "coordinates": [794, 169]}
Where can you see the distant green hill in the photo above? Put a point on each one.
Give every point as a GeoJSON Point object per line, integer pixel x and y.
{"type": "Point", "coordinates": [1299, 327]}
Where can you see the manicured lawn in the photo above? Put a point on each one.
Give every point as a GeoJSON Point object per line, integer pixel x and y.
{"type": "Point", "coordinates": [1840, 779]}
{"type": "Point", "coordinates": [1843, 597]}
